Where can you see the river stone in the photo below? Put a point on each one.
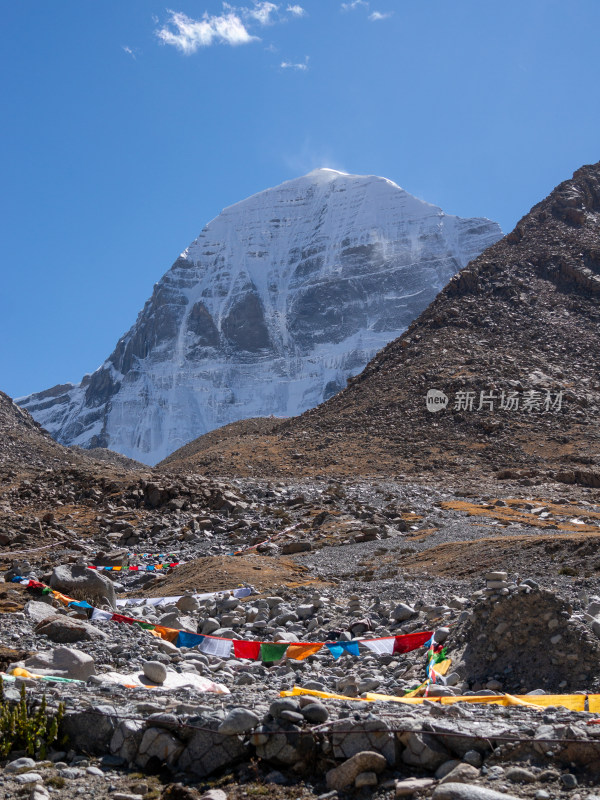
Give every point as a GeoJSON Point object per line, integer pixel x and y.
{"type": "Point", "coordinates": [239, 720]}
{"type": "Point", "coordinates": [315, 713]}
{"type": "Point", "coordinates": [155, 671]}
{"type": "Point", "coordinates": [468, 791]}
{"type": "Point", "coordinates": [462, 773]}
{"type": "Point", "coordinates": [28, 777]}
{"type": "Point", "coordinates": [343, 776]}
{"type": "Point", "coordinates": [519, 775]}
{"type": "Point", "coordinates": [19, 763]}
{"type": "Point", "coordinates": [411, 786]}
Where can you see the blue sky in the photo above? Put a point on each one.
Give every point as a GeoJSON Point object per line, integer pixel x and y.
{"type": "Point", "coordinates": [129, 124]}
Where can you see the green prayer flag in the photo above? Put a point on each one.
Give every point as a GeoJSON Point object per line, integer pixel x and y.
{"type": "Point", "coordinates": [272, 652]}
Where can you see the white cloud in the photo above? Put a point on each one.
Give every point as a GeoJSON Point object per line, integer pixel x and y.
{"type": "Point", "coordinates": [129, 51]}
{"type": "Point", "coordinates": [188, 35]}
{"type": "Point", "coordinates": [377, 15]}
{"type": "Point", "coordinates": [233, 26]}
{"type": "Point", "coordinates": [354, 4]}
{"type": "Point", "coordinates": [311, 156]}
{"type": "Point", "coordinates": [262, 12]}
{"type": "Point", "coordinates": [301, 67]}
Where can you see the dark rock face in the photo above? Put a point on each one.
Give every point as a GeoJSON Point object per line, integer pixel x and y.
{"type": "Point", "coordinates": [201, 324]}
{"type": "Point", "coordinates": [279, 300]}
{"type": "Point", "coordinates": [245, 327]}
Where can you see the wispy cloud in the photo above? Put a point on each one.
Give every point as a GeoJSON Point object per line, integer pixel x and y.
{"type": "Point", "coordinates": [377, 15]}
{"type": "Point", "coordinates": [129, 51]}
{"type": "Point", "coordinates": [189, 35]}
{"type": "Point", "coordinates": [262, 12]}
{"type": "Point", "coordinates": [310, 155]}
{"type": "Point", "coordinates": [296, 11]}
{"type": "Point", "coordinates": [350, 6]}
{"type": "Point", "coordinates": [301, 67]}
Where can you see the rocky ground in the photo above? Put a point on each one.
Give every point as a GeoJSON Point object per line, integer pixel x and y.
{"type": "Point", "coordinates": [326, 560]}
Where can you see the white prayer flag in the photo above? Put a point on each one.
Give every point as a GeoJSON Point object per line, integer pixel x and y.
{"type": "Point", "coordinates": [380, 646]}
{"type": "Point", "coordinates": [98, 613]}
{"type": "Point", "coordinates": [215, 647]}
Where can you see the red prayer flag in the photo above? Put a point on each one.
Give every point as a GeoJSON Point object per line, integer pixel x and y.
{"type": "Point", "coordinates": [246, 649]}
{"type": "Point", "coordinates": [411, 641]}
{"type": "Point", "coordinates": [122, 618]}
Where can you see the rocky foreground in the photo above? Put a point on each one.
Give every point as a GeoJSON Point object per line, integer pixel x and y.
{"type": "Point", "coordinates": [508, 581]}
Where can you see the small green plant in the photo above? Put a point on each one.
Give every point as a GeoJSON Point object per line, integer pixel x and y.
{"type": "Point", "coordinates": [24, 728]}
{"type": "Point", "coordinates": [570, 571]}
{"type": "Point", "coordinates": [56, 781]}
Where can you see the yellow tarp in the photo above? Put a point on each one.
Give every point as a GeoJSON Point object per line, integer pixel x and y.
{"type": "Point", "coordinates": [594, 703]}
{"type": "Point", "coordinates": [574, 702]}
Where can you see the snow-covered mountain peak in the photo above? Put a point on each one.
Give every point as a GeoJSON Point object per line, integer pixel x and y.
{"type": "Point", "coordinates": [278, 301]}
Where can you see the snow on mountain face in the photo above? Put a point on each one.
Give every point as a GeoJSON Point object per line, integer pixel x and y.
{"type": "Point", "coordinates": [280, 299]}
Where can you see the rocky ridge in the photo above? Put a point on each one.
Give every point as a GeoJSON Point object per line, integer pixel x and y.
{"type": "Point", "coordinates": [511, 331]}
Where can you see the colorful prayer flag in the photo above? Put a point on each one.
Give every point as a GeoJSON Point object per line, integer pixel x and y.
{"type": "Point", "coordinates": [272, 652]}
{"type": "Point", "coordinates": [243, 649]}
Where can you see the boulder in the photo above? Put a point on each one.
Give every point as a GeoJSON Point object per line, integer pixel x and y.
{"type": "Point", "coordinates": [64, 662]}
{"type": "Point", "coordinates": [113, 558]}
{"type": "Point", "coordinates": [370, 734]}
{"type": "Point", "coordinates": [315, 713]}
{"type": "Point", "coordinates": [81, 583]}
{"type": "Point", "coordinates": [296, 547]}
{"type": "Point", "coordinates": [160, 745]}
{"type": "Point", "coordinates": [90, 730]}
{"type": "Point", "coordinates": [188, 604]}
{"type": "Point", "coordinates": [282, 743]}
{"type": "Point", "coordinates": [423, 750]}
{"type": "Point", "coordinates": [208, 750]}
{"type": "Point", "coordinates": [126, 739]}
{"type": "Point", "coordinates": [38, 610]}
{"type": "Point", "coordinates": [66, 630]}
{"type": "Point", "coordinates": [410, 786]}
{"type": "Point", "coordinates": [239, 721]}
{"type": "Point", "coordinates": [462, 773]}
{"type": "Point", "coordinates": [468, 791]}
{"type": "Point", "coordinates": [155, 671]}
{"type": "Point", "coordinates": [402, 612]}
{"type": "Point", "coordinates": [19, 764]}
